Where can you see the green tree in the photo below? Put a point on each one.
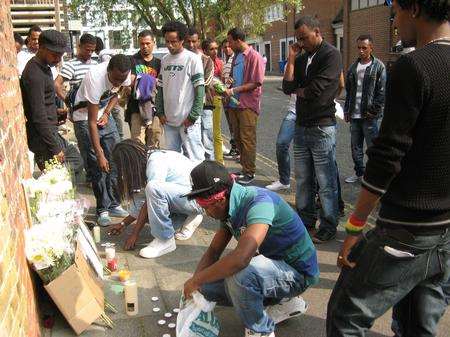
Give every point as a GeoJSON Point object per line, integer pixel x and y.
{"type": "Point", "coordinates": [210, 17]}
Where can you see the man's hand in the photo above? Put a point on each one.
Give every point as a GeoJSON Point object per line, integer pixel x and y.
{"type": "Point", "coordinates": [187, 122]}
{"type": "Point", "coordinates": [294, 50]}
{"type": "Point", "coordinates": [130, 243]}
{"type": "Point", "coordinates": [228, 92]}
{"type": "Point", "coordinates": [116, 229]}
{"type": "Point", "coordinates": [60, 157]}
{"type": "Point", "coordinates": [103, 120]}
{"type": "Point", "coordinates": [301, 92]}
{"type": "Point", "coordinates": [62, 115]}
{"type": "Point", "coordinates": [103, 163]}
{"type": "Point", "coordinates": [347, 117]}
{"type": "Point", "coordinates": [190, 286]}
{"type": "Point", "coordinates": [349, 242]}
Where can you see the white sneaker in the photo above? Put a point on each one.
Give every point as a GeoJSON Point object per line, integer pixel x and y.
{"type": "Point", "coordinates": [158, 248]}
{"type": "Point", "coordinates": [292, 307]}
{"type": "Point", "coordinates": [250, 333]}
{"type": "Point", "coordinates": [352, 179]}
{"type": "Point", "coordinates": [277, 186]}
{"type": "Point", "coordinates": [189, 226]}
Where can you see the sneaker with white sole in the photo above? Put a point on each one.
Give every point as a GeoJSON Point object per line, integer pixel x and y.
{"type": "Point", "coordinates": [352, 179]}
{"type": "Point", "coordinates": [278, 186]}
{"type": "Point", "coordinates": [118, 212]}
{"type": "Point", "coordinates": [158, 248]}
{"type": "Point", "coordinates": [103, 219]}
{"type": "Point", "coordinates": [284, 310]}
{"type": "Point", "coordinates": [190, 225]}
{"type": "Point", "coordinates": [250, 333]}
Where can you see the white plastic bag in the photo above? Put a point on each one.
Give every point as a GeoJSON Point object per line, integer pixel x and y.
{"type": "Point", "coordinates": [196, 317]}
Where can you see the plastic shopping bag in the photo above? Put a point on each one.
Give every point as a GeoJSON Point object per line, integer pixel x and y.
{"type": "Point", "coordinates": [196, 317]}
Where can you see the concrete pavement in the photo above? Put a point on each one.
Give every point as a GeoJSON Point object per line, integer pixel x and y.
{"type": "Point", "coordinates": [164, 277]}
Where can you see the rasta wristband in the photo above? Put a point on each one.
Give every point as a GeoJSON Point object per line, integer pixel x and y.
{"type": "Point", "coordinates": [354, 226]}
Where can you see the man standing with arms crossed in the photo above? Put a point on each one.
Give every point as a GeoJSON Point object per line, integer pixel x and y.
{"type": "Point", "coordinates": [405, 259]}
{"type": "Point", "coordinates": [314, 77]}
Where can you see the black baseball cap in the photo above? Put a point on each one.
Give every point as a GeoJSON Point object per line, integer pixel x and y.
{"type": "Point", "coordinates": [206, 176]}
{"type": "Point", "coordinates": [54, 41]}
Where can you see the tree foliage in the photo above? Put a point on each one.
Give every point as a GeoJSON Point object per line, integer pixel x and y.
{"type": "Point", "coordinates": [211, 17]}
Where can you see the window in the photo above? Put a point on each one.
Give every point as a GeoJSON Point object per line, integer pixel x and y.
{"type": "Point", "coordinates": [360, 4]}
{"type": "Point", "coordinates": [274, 13]}
{"type": "Point", "coordinates": [283, 49]}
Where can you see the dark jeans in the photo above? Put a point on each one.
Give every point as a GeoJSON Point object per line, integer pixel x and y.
{"type": "Point", "coordinates": [360, 130]}
{"type": "Point", "coordinates": [314, 155]}
{"type": "Point", "coordinates": [407, 306]}
{"type": "Point", "coordinates": [380, 280]}
{"type": "Point", "coordinates": [284, 139]}
{"type": "Point", "coordinates": [103, 184]}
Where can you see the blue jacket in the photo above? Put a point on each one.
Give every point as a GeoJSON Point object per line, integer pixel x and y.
{"type": "Point", "coordinates": [373, 90]}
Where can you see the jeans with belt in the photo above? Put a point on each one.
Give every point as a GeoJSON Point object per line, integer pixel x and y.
{"type": "Point", "coordinates": [392, 265]}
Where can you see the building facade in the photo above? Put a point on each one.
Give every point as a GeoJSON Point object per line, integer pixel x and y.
{"type": "Point", "coordinates": [280, 30]}
{"type": "Point", "coordinates": [369, 17]}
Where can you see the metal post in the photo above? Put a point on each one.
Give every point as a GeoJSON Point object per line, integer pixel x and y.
{"type": "Point", "coordinates": [286, 32]}
{"type": "Point", "coordinates": [57, 15]}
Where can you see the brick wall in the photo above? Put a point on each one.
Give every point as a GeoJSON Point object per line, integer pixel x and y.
{"type": "Point", "coordinates": [325, 10]}
{"type": "Point", "coordinates": [17, 302]}
{"type": "Point", "coordinates": [373, 21]}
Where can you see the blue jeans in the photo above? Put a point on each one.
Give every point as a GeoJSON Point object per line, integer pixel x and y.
{"type": "Point", "coordinates": [207, 133]}
{"type": "Point", "coordinates": [163, 202]}
{"type": "Point", "coordinates": [409, 305]}
{"type": "Point", "coordinates": [187, 140]}
{"type": "Point", "coordinates": [381, 280]}
{"type": "Point", "coordinates": [103, 184]}
{"type": "Point", "coordinates": [360, 130]}
{"type": "Point", "coordinates": [284, 139]}
{"type": "Point", "coordinates": [314, 155]}
{"type": "Point", "coordinates": [262, 282]}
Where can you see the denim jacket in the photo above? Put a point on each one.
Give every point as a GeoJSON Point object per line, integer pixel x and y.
{"type": "Point", "coordinates": [373, 90]}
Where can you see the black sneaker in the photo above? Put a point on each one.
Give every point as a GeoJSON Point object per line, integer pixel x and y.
{"type": "Point", "coordinates": [233, 154]}
{"type": "Point", "coordinates": [246, 179]}
{"type": "Point", "coordinates": [323, 236]}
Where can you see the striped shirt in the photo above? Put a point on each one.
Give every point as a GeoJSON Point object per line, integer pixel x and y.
{"type": "Point", "coordinates": [75, 69]}
{"type": "Point", "coordinates": [287, 238]}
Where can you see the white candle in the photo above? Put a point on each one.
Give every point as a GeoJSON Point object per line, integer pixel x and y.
{"type": "Point", "coordinates": [96, 232]}
{"type": "Point", "coordinates": [131, 298]}
{"type": "Point", "coordinates": [110, 253]}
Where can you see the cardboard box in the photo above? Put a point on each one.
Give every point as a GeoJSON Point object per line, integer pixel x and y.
{"type": "Point", "coordinates": [78, 293]}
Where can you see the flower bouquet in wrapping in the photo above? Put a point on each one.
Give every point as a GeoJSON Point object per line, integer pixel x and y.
{"type": "Point", "coordinates": [220, 88]}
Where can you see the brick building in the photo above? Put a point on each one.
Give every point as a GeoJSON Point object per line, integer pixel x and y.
{"type": "Point", "coordinates": [18, 315]}
{"type": "Point", "coordinates": [368, 17]}
{"type": "Point", "coordinates": [280, 28]}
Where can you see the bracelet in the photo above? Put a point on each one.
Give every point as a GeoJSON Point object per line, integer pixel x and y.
{"type": "Point", "coordinates": [354, 226]}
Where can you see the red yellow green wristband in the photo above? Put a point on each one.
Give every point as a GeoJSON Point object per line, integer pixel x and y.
{"type": "Point", "coordinates": [354, 226]}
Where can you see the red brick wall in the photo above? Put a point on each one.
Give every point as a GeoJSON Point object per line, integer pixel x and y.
{"type": "Point", "coordinates": [325, 10]}
{"type": "Point", "coordinates": [373, 21]}
{"type": "Point", "coordinates": [17, 303]}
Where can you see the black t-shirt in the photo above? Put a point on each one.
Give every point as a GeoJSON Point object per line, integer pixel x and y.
{"type": "Point", "coordinates": [140, 66]}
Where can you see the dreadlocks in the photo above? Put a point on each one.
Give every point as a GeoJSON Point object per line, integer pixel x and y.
{"type": "Point", "coordinates": [130, 157]}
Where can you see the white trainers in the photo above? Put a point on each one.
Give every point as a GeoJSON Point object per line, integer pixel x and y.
{"type": "Point", "coordinates": [189, 226]}
{"type": "Point", "coordinates": [278, 186]}
{"type": "Point", "coordinates": [158, 248]}
{"type": "Point", "coordinates": [292, 307]}
{"type": "Point", "coordinates": [250, 333]}
{"type": "Point", "coordinates": [352, 179]}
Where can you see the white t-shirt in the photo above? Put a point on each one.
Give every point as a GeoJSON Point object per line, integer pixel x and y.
{"type": "Point", "coordinates": [170, 166]}
{"type": "Point", "coordinates": [24, 56]}
{"type": "Point", "coordinates": [96, 89]}
{"type": "Point", "coordinates": [292, 103]}
{"type": "Point", "coordinates": [360, 71]}
{"type": "Point", "coordinates": [179, 75]}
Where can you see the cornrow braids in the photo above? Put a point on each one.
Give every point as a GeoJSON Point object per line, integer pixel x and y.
{"type": "Point", "coordinates": [130, 158]}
